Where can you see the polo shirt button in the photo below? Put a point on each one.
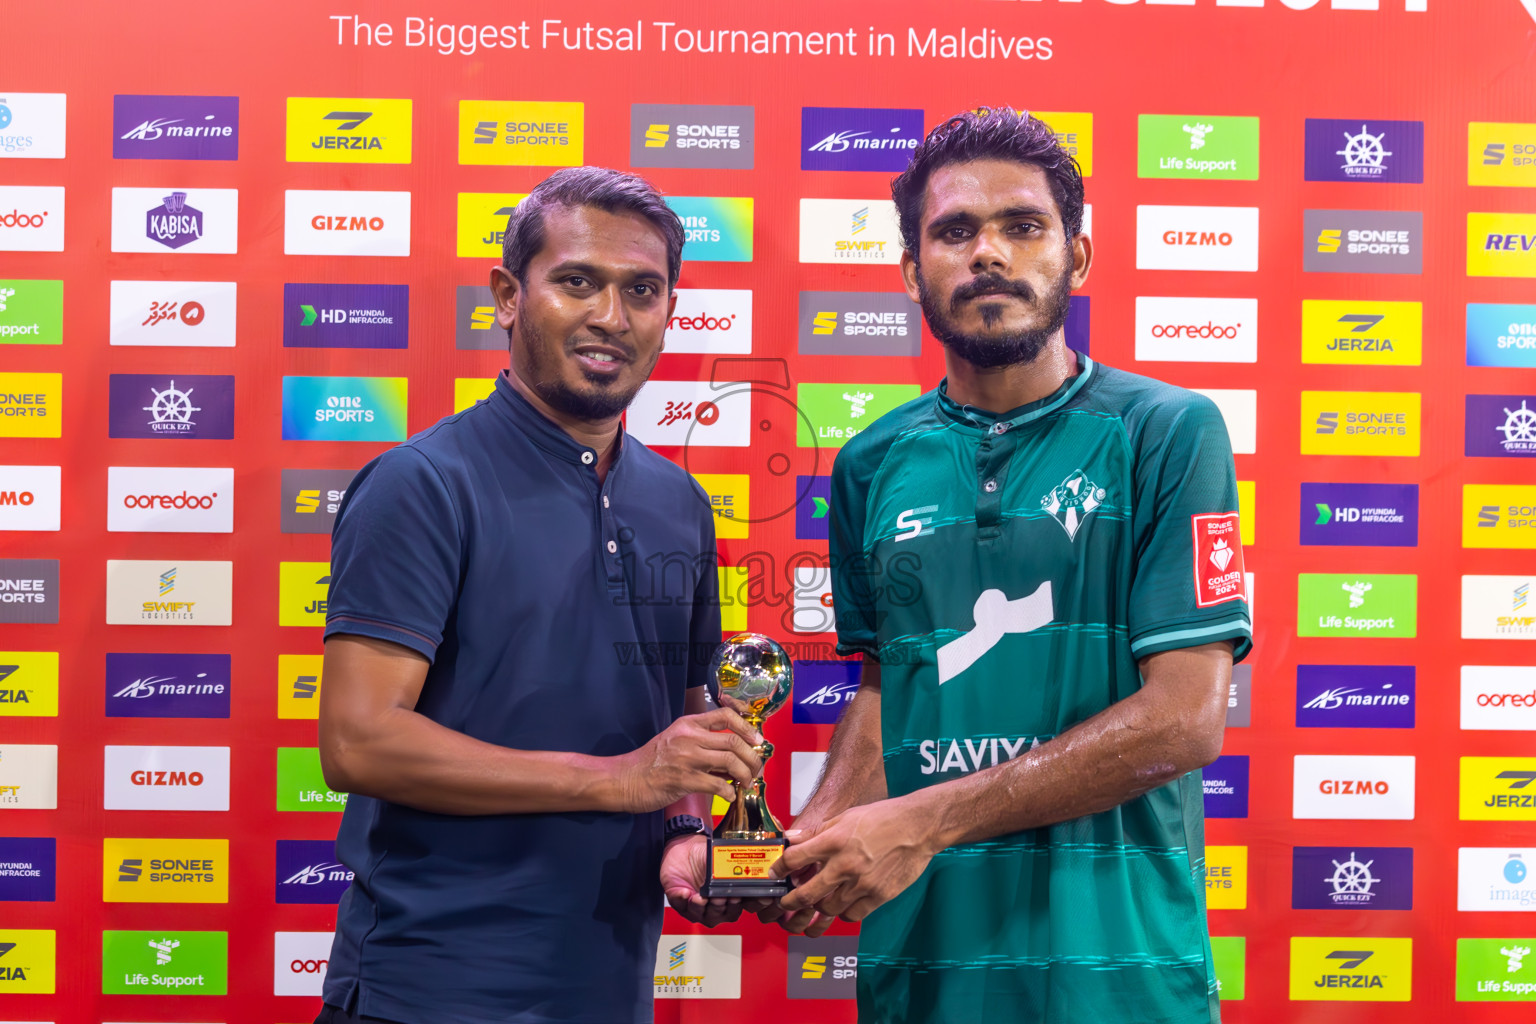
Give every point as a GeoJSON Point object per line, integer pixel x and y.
{"type": "Point", "coordinates": [605, 501]}
{"type": "Point", "coordinates": [586, 458]}
{"type": "Point", "coordinates": [989, 486]}
{"type": "Point", "coordinates": [612, 547]}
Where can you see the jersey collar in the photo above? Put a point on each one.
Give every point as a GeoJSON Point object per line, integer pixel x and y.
{"type": "Point", "coordinates": [544, 432]}
{"type": "Point", "coordinates": [1000, 423]}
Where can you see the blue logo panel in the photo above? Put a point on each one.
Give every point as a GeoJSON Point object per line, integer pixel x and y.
{"type": "Point", "coordinates": [168, 685]}
{"type": "Point", "coordinates": [345, 315]}
{"type": "Point", "coordinates": [344, 408]}
{"type": "Point", "coordinates": [858, 138]}
{"type": "Point", "coordinates": [1360, 515]}
{"type": "Point", "coordinates": [1355, 696]}
{"type": "Point", "coordinates": [823, 689]}
{"type": "Point", "coordinates": [28, 869]}
{"type": "Point", "coordinates": [1501, 334]}
{"type": "Point", "coordinates": [814, 512]}
{"type": "Point", "coordinates": [1352, 878]}
{"type": "Point", "coordinates": [1226, 786]}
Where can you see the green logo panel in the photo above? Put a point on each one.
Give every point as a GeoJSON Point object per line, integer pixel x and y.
{"type": "Point", "coordinates": [165, 963]}
{"type": "Point", "coordinates": [31, 312]}
{"type": "Point", "coordinates": [1329, 604]}
{"type": "Point", "coordinates": [831, 414]}
{"type": "Point", "coordinates": [1495, 970]}
{"type": "Point", "coordinates": [1230, 958]}
{"type": "Point", "coordinates": [301, 784]}
{"type": "Point", "coordinates": [1204, 147]}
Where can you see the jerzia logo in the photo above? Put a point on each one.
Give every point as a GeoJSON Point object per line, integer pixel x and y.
{"type": "Point", "coordinates": [356, 131]}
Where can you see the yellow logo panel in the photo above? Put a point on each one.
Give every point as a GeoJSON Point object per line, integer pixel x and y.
{"type": "Point", "coordinates": [298, 685]}
{"type": "Point", "coordinates": [734, 593]}
{"type": "Point", "coordinates": [1501, 245]}
{"type": "Point", "coordinates": [28, 965]}
{"type": "Point", "coordinates": [1498, 789]}
{"type": "Point", "coordinates": [1226, 877]}
{"type": "Point", "coordinates": [521, 134]}
{"type": "Point", "coordinates": [342, 130]}
{"type": "Point", "coordinates": [729, 499]}
{"type": "Point", "coordinates": [483, 221]}
{"type": "Point", "coordinates": [29, 684]}
{"type": "Point", "coordinates": [1360, 423]}
{"type": "Point", "coordinates": [302, 591]}
{"type": "Point", "coordinates": [1075, 133]}
{"type": "Point", "coordinates": [1501, 154]}
{"type": "Point", "coordinates": [469, 390]}
{"type": "Point", "coordinates": [165, 870]}
{"type": "Point", "coordinates": [1498, 516]}
{"type": "Point", "coordinates": [31, 404]}
{"type": "Point", "coordinates": [1351, 969]}
{"type": "Point", "coordinates": [1368, 333]}
{"type": "Point", "coordinates": [1247, 496]}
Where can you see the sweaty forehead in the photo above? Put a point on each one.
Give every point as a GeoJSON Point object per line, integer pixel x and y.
{"type": "Point", "coordinates": [982, 189]}
{"type": "Point", "coordinates": [619, 241]}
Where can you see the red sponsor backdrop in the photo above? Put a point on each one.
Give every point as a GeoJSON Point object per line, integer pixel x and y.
{"type": "Point", "coordinates": [1454, 63]}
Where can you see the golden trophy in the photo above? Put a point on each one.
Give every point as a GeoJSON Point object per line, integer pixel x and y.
{"type": "Point", "coordinates": [750, 674]}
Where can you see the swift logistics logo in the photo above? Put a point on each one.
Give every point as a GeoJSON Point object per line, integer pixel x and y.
{"type": "Point", "coordinates": [1501, 154]}
{"type": "Point", "coordinates": [1495, 970]}
{"type": "Point", "coordinates": [698, 967]}
{"type": "Point", "coordinates": [165, 963]}
{"type": "Point", "coordinates": [31, 404]}
{"type": "Point", "coordinates": [339, 130]}
{"type": "Point", "coordinates": [175, 127]}
{"type": "Point", "coordinates": [167, 685]}
{"type": "Point", "coordinates": [299, 678]}
{"type": "Point", "coordinates": [344, 408]}
{"type": "Point", "coordinates": [182, 314]}
{"type": "Point", "coordinates": [474, 320]}
{"type": "Point", "coordinates": [1496, 878]}
{"type": "Point", "coordinates": [31, 218]}
{"type": "Point", "coordinates": [29, 590]}
{"type": "Point", "coordinates": [1498, 789]}
{"type": "Point", "coordinates": [1202, 147]}
{"type": "Point", "coordinates": [1501, 334]}
{"type": "Point", "coordinates": [1361, 423]}
{"type": "Point", "coordinates": [161, 593]}
{"type": "Point", "coordinates": [824, 689]}
{"type": "Point", "coordinates": [1194, 330]}
{"type": "Point", "coordinates": [1351, 878]}
{"type": "Point", "coordinates": [1225, 786]}
{"type": "Point", "coordinates": [1498, 608]}
{"type": "Point", "coordinates": [859, 324]}
{"type": "Point", "coordinates": [170, 499]}
{"type": "Point", "coordinates": [346, 315]}
{"type": "Point", "coordinates": [1362, 332]}
{"type": "Point", "coordinates": [482, 223]}
{"type": "Point", "coordinates": [1360, 515]}
{"type": "Point", "coordinates": [28, 961]}
{"type": "Point", "coordinates": [1226, 877]}
{"type": "Point", "coordinates": [29, 869]}
{"type": "Point", "coordinates": [301, 782]}
{"type": "Point", "coordinates": [823, 968]}
{"type": "Point", "coordinates": [857, 138]}
{"type": "Point", "coordinates": [31, 497]}
{"type": "Point", "coordinates": [691, 135]}
{"type": "Point", "coordinates": [1349, 787]}
{"type": "Point", "coordinates": [31, 312]}
{"type": "Point", "coordinates": [716, 228]}
{"type": "Point", "coordinates": [1363, 241]}
{"type": "Point", "coordinates": [849, 231]}
{"type": "Point", "coordinates": [165, 779]}
{"type": "Point", "coordinates": [29, 684]}
{"type": "Point", "coordinates": [711, 321]}
{"type": "Point", "coordinates": [176, 220]}
{"type": "Point", "coordinates": [32, 125]}
{"type": "Point", "coordinates": [311, 498]}
{"type": "Point", "coordinates": [302, 591]}
{"type": "Point", "coordinates": [1356, 150]}
{"type": "Point", "coordinates": [165, 870]}
{"type": "Point", "coordinates": [1498, 516]}
{"type": "Point", "coordinates": [1355, 696]}
{"type": "Point", "coordinates": [1197, 238]}
{"type": "Point", "coordinates": [835, 413]}
{"type": "Point", "coordinates": [29, 776]}
{"type": "Point", "coordinates": [521, 134]}
{"type": "Point", "coordinates": [1371, 605]}
{"type": "Point", "coordinates": [333, 223]}
{"type": "Point", "coordinates": [1351, 969]}
{"type": "Point", "coordinates": [185, 406]}
{"type": "Point", "coordinates": [1501, 245]}
{"type": "Point", "coordinates": [308, 872]}
{"type": "Point", "coordinates": [1496, 697]}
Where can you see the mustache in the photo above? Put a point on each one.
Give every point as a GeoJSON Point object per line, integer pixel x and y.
{"type": "Point", "coordinates": [989, 284]}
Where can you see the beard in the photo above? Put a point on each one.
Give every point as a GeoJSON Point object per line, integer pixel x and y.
{"type": "Point", "coordinates": [603, 400]}
{"type": "Point", "coordinates": [989, 351]}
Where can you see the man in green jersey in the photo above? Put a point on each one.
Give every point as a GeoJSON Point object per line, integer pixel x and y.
{"type": "Point", "coordinates": [1039, 562]}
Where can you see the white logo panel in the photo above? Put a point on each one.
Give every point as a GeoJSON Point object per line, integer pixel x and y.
{"type": "Point", "coordinates": [691, 412]}
{"type": "Point", "coordinates": [1498, 607]}
{"type": "Point", "coordinates": [1183, 330]}
{"type": "Point", "coordinates": [715, 321]}
{"type": "Point", "coordinates": [184, 314]}
{"type": "Point", "coordinates": [30, 497]}
{"type": "Point", "coordinates": [1495, 878]}
{"type": "Point", "coordinates": [299, 962]}
{"type": "Point", "coordinates": [1197, 238]}
{"type": "Point", "coordinates": [31, 218]}
{"type": "Point", "coordinates": [173, 220]}
{"type": "Point", "coordinates": [169, 593]}
{"type": "Point", "coordinates": [849, 231]}
{"type": "Point", "coordinates": [166, 779]}
{"type": "Point", "coordinates": [34, 125]}
{"type": "Point", "coordinates": [1350, 786]}
{"type": "Point", "coordinates": [813, 600]}
{"type": "Point", "coordinates": [698, 967]}
{"type": "Point", "coordinates": [170, 499]}
{"type": "Point", "coordinates": [346, 223]}
{"type": "Point", "coordinates": [1498, 697]}
{"type": "Point", "coordinates": [29, 776]}
{"type": "Point", "coordinates": [1240, 409]}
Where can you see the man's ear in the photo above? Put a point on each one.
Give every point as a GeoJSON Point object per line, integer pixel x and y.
{"type": "Point", "coordinates": [1082, 260]}
{"type": "Point", "coordinates": [909, 275]}
{"type": "Point", "coordinates": [504, 291]}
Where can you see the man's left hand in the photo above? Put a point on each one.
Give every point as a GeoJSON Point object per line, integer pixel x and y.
{"type": "Point", "coordinates": [867, 856]}
{"type": "Point", "coordinates": [684, 869]}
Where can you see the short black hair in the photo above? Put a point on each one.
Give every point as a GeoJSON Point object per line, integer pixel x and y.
{"type": "Point", "coordinates": [988, 133]}
{"type": "Point", "coordinates": [608, 190]}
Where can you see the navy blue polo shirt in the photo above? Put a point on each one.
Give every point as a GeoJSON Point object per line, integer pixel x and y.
{"type": "Point", "coordinates": [559, 614]}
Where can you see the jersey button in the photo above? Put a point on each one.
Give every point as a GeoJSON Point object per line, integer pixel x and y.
{"type": "Point", "coordinates": [605, 501]}
{"type": "Point", "coordinates": [586, 458]}
{"type": "Point", "coordinates": [989, 486]}
{"type": "Point", "coordinates": [612, 547]}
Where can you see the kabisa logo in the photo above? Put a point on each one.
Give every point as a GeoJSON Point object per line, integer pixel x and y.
{"type": "Point", "coordinates": [1343, 786]}
{"type": "Point", "coordinates": [858, 138]}
{"type": "Point", "coordinates": [1501, 154]}
{"type": "Point", "coordinates": [31, 312]}
{"type": "Point", "coordinates": [1225, 786]}
{"type": "Point", "coordinates": [1197, 238]}
{"type": "Point", "coordinates": [32, 125]}
{"type": "Point", "coordinates": [28, 869]}
{"type": "Point", "coordinates": [716, 228]}
{"type": "Point", "coordinates": [521, 134]}
{"type": "Point", "coordinates": [474, 320]}
{"type": "Point", "coordinates": [308, 872]}
{"type": "Point", "coordinates": [691, 135]}
{"type": "Point", "coordinates": [849, 231]}
{"type": "Point", "coordinates": [1498, 516]}
{"type": "Point", "coordinates": [172, 963]}
{"type": "Point", "coordinates": [1351, 969]}
{"type": "Point", "coordinates": [1498, 608]}
{"type": "Point", "coordinates": [813, 510]}
{"type": "Point", "coordinates": [346, 315]}
{"type": "Point", "coordinates": [1501, 335]}
{"type": "Point", "coordinates": [179, 220]}
{"type": "Point", "coordinates": [165, 871]}
{"type": "Point", "coordinates": [175, 222]}
{"type": "Point", "coordinates": [482, 225]}
{"type": "Point", "coordinates": [823, 689]}
{"type": "Point", "coordinates": [166, 778]}
{"type": "Point", "coordinates": [1498, 789]}
{"type": "Point", "coordinates": [1346, 878]}
{"type": "Point", "coordinates": [344, 408]}
{"type": "Point", "coordinates": [168, 685]}
{"type": "Point", "coordinates": [1495, 878]}
{"type": "Point", "coordinates": [31, 218]}
{"type": "Point", "coordinates": [180, 406]}
{"type": "Point", "coordinates": [1501, 245]}
{"type": "Point", "coordinates": [29, 590]}
{"type": "Point", "coordinates": [176, 127]}
{"type": "Point", "coordinates": [1354, 515]}
{"type": "Point", "coordinates": [29, 686]}
{"type": "Point", "coordinates": [1495, 970]}
{"type": "Point", "coordinates": [351, 131]}
{"type": "Point", "coordinates": [858, 324]}
{"type": "Point", "coordinates": [1355, 696]}
{"type": "Point", "coordinates": [1360, 606]}
{"type": "Point", "coordinates": [1197, 330]}
{"type": "Point", "coordinates": [1206, 148]}
{"type": "Point", "coordinates": [1383, 151]}
{"type": "Point", "coordinates": [1362, 332]}
{"type": "Point", "coordinates": [1498, 697]}
{"type": "Point", "coordinates": [1360, 423]}
{"type": "Point", "coordinates": [1363, 241]}
{"type": "Point", "coordinates": [713, 321]}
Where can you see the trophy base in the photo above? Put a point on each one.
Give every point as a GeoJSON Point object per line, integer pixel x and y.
{"type": "Point", "coordinates": [741, 869]}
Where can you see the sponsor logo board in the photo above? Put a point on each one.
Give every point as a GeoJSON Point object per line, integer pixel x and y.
{"type": "Point", "coordinates": [1352, 878]}
{"type": "Point", "coordinates": [1501, 426]}
{"type": "Point", "coordinates": [1501, 154]}
{"type": "Point", "coordinates": [30, 497]}
{"type": "Point", "coordinates": [1197, 146]}
{"type": "Point", "coordinates": [1229, 960]}
{"type": "Point", "coordinates": [166, 779]}
{"type": "Point", "coordinates": [824, 689]}
{"type": "Point", "coordinates": [29, 590]}
{"type": "Point", "coordinates": [184, 405]}
{"type": "Point", "coordinates": [308, 872]}
{"type": "Point", "coordinates": [1353, 786]}
{"type": "Point", "coordinates": [1225, 786]}
{"type": "Point", "coordinates": [857, 138]}
{"type": "Point", "coordinates": [173, 219]}
{"type": "Point", "coordinates": [168, 685]}
{"type": "Point", "coordinates": [170, 499]}
{"type": "Point", "coordinates": [1498, 516]}
{"type": "Point", "coordinates": [833, 414]}
{"type": "Point", "coordinates": [1366, 605]}
{"type": "Point", "coordinates": [698, 967]}
{"type": "Point", "coordinates": [31, 218]}
{"type": "Point", "coordinates": [311, 498]}
{"type": "Point", "coordinates": [169, 593]}
{"type": "Point", "coordinates": [1364, 150]}
{"type": "Point", "coordinates": [1498, 608]}
{"type": "Point", "coordinates": [1240, 697]}
{"type": "Point", "coordinates": [343, 130]}
{"type": "Point", "coordinates": [859, 324]}
{"type": "Point", "coordinates": [1496, 878]}
{"type": "Point", "coordinates": [521, 134]}
{"type": "Point", "coordinates": [474, 320]}
{"type": "Point", "coordinates": [31, 312]}
{"type": "Point", "coordinates": [469, 390]}
{"type": "Point", "coordinates": [1239, 408]}
{"type": "Point", "coordinates": [29, 776]}
{"type": "Point", "coordinates": [1363, 241]}
{"type": "Point", "coordinates": [1226, 877]}
{"type": "Point", "coordinates": [301, 782]}
{"type": "Point", "coordinates": [1355, 696]}
{"type": "Point", "coordinates": [299, 962]}
{"type": "Point", "coordinates": [31, 404]}
{"type": "Point", "coordinates": [1074, 133]}
{"type": "Point", "coordinates": [691, 135]}
{"type": "Point", "coordinates": [164, 963]}
{"type": "Point", "coordinates": [482, 223]}
{"type": "Point", "coordinates": [715, 228]}
{"type": "Point", "coordinates": [181, 314]}
{"type": "Point", "coordinates": [299, 678]}
{"type": "Point", "coordinates": [302, 591]}
{"type": "Point", "coordinates": [1079, 310]}
{"type": "Point", "coordinates": [1197, 238]}
{"type": "Point", "coordinates": [29, 684]}
{"type": "Point", "coordinates": [805, 768]}
{"type": "Point", "coordinates": [813, 611]}
{"type": "Point", "coordinates": [686, 412]}
{"type": "Point", "coordinates": [344, 408]}
{"type": "Point", "coordinates": [849, 231]}
{"type": "Point", "coordinates": [813, 510]}
{"type": "Point", "coordinates": [1501, 245]}
{"type": "Point", "coordinates": [1498, 789]}
{"type": "Point", "coordinates": [1500, 697]}
{"type": "Point", "coordinates": [1495, 970]}
{"type": "Point", "coordinates": [1363, 333]}
{"type": "Point", "coordinates": [346, 315]}
{"type": "Point", "coordinates": [730, 500]}
{"type": "Point", "coordinates": [1197, 330]}
{"type": "Point", "coordinates": [1361, 423]}
{"type": "Point", "coordinates": [712, 321]}
{"type": "Point", "coordinates": [29, 869]}
{"type": "Point", "coordinates": [1351, 969]}
{"type": "Point", "coordinates": [175, 127]}
{"type": "Point", "coordinates": [1365, 515]}
{"type": "Point", "coordinates": [165, 871]}
{"type": "Point", "coordinates": [27, 961]}
{"type": "Point", "coordinates": [320, 223]}
{"type": "Point", "coordinates": [823, 968]}
{"type": "Point", "coordinates": [32, 125]}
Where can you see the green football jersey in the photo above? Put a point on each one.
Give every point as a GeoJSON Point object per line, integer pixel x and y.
{"type": "Point", "coordinates": [1008, 572]}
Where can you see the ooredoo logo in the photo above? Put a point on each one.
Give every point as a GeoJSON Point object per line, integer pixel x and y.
{"type": "Point", "coordinates": [1197, 238]}
{"type": "Point", "coordinates": [166, 779]}
{"type": "Point", "coordinates": [31, 218]}
{"type": "Point", "coordinates": [1197, 330]}
{"type": "Point", "coordinates": [716, 321]}
{"type": "Point", "coordinates": [299, 962]}
{"type": "Point", "coordinates": [1353, 786]}
{"type": "Point", "coordinates": [172, 499]}
{"type": "Point", "coordinates": [1498, 697]}
{"type": "Point", "coordinates": [330, 223]}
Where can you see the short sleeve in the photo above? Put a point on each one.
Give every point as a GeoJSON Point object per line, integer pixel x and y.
{"type": "Point", "coordinates": [853, 571]}
{"type": "Point", "coordinates": [396, 554]}
{"type": "Point", "coordinates": [1188, 585]}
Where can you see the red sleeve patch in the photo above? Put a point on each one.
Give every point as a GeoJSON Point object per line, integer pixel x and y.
{"type": "Point", "coordinates": [1218, 559]}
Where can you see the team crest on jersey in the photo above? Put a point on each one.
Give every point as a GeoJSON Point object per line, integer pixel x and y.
{"type": "Point", "coordinates": [1218, 559]}
{"type": "Point", "coordinates": [1072, 500]}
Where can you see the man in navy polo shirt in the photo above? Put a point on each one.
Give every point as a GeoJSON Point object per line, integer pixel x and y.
{"type": "Point", "coordinates": [495, 582]}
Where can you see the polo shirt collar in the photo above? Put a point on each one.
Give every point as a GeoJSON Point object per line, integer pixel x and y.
{"type": "Point", "coordinates": [543, 431]}
{"type": "Point", "coordinates": [999, 423]}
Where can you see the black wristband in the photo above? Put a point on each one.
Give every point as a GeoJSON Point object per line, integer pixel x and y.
{"type": "Point", "coordinates": [683, 825]}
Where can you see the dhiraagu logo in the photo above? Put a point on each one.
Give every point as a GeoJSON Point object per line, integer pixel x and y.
{"type": "Point", "coordinates": [1495, 970]}
{"type": "Point", "coordinates": [344, 408]}
{"type": "Point", "coordinates": [303, 588]}
{"type": "Point", "coordinates": [301, 783]}
{"type": "Point", "coordinates": [1374, 605]}
{"type": "Point", "coordinates": [1179, 146]}
{"type": "Point", "coordinates": [1351, 969]}
{"type": "Point", "coordinates": [831, 414]}
{"type": "Point", "coordinates": [483, 222]}
{"type": "Point", "coordinates": [716, 228]}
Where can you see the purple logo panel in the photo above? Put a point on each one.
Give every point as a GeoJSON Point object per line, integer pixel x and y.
{"type": "Point", "coordinates": [824, 688]}
{"type": "Point", "coordinates": [28, 869]}
{"type": "Point", "coordinates": [1226, 787]}
{"type": "Point", "coordinates": [184, 405]}
{"type": "Point", "coordinates": [813, 514]}
{"type": "Point", "coordinates": [1366, 515]}
{"type": "Point", "coordinates": [1355, 696]}
{"type": "Point", "coordinates": [858, 138]}
{"type": "Point", "coordinates": [345, 315]}
{"type": "Point", "coordinates": [176, 127]}
{"type": "Point", "coordinates": [1501, 426]}
{"type": "Point", "coordinates": [168, 686]}
{"type": "Point", "coordinates": [1365, 150]}
{"type": "Point", "coordinates": [308, 872]}
{"type": "Point", "coordinates": [1352, 878]}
